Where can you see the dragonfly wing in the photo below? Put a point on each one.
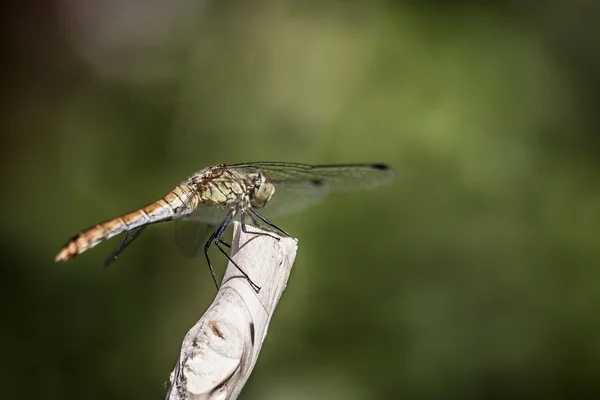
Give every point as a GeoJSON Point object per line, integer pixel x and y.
{"type": "Point", "coordinates": [191, 235]}
{"type": "Point", "coordinates": [131, 235]}
{"type": "Point", "coordinates": [300, 185]}
{"type": "Point", "coordinates": [192, 230]}
{"type": "Point", "coordinates": [338, 178]}
{"type": "Point", "coordinates": [294, 195]}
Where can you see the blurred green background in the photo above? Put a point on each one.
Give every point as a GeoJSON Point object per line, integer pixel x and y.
{"type": "Point", "coordinates": [475, 274]}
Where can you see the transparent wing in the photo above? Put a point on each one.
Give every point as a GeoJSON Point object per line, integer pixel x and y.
{"type": "Point", "coordinates": [191, 235]}
{"type": "Point", "coordinates": [192, 229]}
{"type": "Point", "coordinates": [292, 196]}
{"type": "Point", "coordinates": [338, 178]}
{"type": "Point", "coordinates": [300, 185]}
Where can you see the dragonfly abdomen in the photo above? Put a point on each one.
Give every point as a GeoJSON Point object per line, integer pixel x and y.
{"type": "Point", "coordinates": [164, 209]}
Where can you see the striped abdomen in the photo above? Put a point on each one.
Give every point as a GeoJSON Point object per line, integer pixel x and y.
{"type": "Point", "coordinates": [165, 209]}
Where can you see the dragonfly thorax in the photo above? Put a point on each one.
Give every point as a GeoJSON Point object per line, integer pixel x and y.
{"type": "Point", "coordinates": [262, 192]}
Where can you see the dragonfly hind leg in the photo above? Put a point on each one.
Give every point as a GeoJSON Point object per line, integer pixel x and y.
{"type": "Point", "coordinates": [129, 237]}
{"type": "Point", "coordinates": [210, 267]}
{"type": "Point", "coordinates": [216, 238]}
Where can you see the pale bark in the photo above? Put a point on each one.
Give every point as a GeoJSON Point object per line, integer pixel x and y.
{"type": "Point", "coordinates": [220, 351]}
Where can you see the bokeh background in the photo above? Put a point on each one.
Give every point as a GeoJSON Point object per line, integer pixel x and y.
{"type": "Point", "coordinates": [475, 274]}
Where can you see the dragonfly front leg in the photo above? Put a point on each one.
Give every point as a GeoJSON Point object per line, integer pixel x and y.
{"type": "Point", "coordinates": [257, 223]}
{"type": "Point", "coordinates": [269, 223]}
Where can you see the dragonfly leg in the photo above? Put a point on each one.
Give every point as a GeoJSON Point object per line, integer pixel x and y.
{"type": "Point", "coordinates": [129, 237]}
{"type": "Point", "coordinates": [206, 247]}
{"type": "Point", "coordinates": [255, 222]}
{"type": "Point", "coordinates": [269, 223]}
{"type": "Point", "coordinates": [216, 238]}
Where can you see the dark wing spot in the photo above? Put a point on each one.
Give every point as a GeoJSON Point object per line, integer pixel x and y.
{"type": "Point", "coordinates": [318, 182]}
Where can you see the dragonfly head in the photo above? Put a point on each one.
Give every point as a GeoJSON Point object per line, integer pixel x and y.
{"type": "Point", "coordinates": [262, 191]}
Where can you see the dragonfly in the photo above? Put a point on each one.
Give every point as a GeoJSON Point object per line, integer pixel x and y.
{"type": "Point", "coordinates": [222, 193]}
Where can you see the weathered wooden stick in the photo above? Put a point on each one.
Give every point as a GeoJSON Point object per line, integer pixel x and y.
{"type": "Point", "coordinates": [220, 351]}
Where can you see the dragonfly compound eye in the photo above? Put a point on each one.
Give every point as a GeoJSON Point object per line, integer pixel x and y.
{"type": "Point", "coordinates": [262, 192]}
